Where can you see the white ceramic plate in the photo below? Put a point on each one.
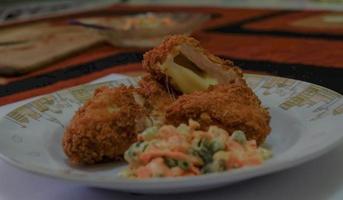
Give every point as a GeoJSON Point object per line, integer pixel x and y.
{"type": "Point", "coordinates": [306, 122]}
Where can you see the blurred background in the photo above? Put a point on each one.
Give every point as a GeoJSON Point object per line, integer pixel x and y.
{"type": "Point", "coordinates": [48, 45]}
{"type": "Point", "coordinates": [11, 10]}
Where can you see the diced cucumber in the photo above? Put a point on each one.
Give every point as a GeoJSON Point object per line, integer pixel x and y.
{"type": "Point", "coordinates": [183, 129]}
{"type": "Point", "coordinates": [215, 166]}
{"type": "Point", "coordinates": [149, 133]}
{"type": "Point", "coordinates": [239, 136]}
{"type": "Point", "coordinates": [221, 155]}
{"type": "Point", "coordinates": [134, 150]}
{"type": "Point", "coordinates": [265, 153]}
{"type": "Point", "coordinates": [170, 162]}
{"type": "Point", "coordinates": [217, 145]}
{"type": "Point", "coordinates": [202, 148]}
{"type": "Point", "coordinates": [183, 165]}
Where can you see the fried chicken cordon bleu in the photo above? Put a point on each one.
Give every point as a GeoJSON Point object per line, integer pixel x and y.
{"type": "Point", "coordinates": [214, 91]}
{"type": "Point", "coordinates": [181, 62]}
{"type": "Point", "coordinates": [184, 82]}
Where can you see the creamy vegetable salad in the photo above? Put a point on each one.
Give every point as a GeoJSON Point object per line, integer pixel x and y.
{"type": "Point", "coordinates": [188, 151]}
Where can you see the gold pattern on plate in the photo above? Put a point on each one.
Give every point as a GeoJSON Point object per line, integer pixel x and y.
{"type": "Point", "coordinates": [311, 96]}
{"type": "Point", "coordinates": [55, 103]}
{"type": "Point", "coordinates": [22, 115]}
{"type": "Point", "coordinates": [254, 81]}
{"type": "Point", "coordinates": [276, 82]}
{"type": "Point", "coordinates": [338, 110]}
{"type": "Point", "coordinates": [42, 104]}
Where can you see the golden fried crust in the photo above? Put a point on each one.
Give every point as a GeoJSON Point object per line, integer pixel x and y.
{"type": "Point", "coordinates": [104, 127]}
{"type": "Point", "coordinates": [157, 55]}
{"type": "Point", "coordinates": [231, 107]}
{"type": "Point", "coordinates": [156, 98]}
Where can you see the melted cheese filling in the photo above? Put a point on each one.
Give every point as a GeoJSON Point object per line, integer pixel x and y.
{"type": "Point", "coordinates": [185, 75]}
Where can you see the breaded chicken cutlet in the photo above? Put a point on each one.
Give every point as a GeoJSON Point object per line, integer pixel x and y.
{"type": "Point", "coordinates": [182, 62]}
{"type": "Point", "coordinates": [107, 124]}
{"type": "Point", "coordinates": [231, 107]}
{"type": "Point", "coordinates": [228, 103]}
{"type": "Point", "coordinates": [104, 127]}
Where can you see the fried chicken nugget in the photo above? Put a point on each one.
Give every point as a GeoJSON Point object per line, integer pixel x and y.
{"type": "Point", "coordinates": [231, 107]}
{"type": "Point", "coordinates": [181, 61]}
{"type": "Point", "coordinates": [105, 126]}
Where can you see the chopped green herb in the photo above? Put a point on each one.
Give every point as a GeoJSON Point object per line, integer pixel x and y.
{"type": "Point", "coordinates": [170, 162]}
{"type": "Point", "coordinates": [138, 144]}
{"type": "Point", "coordinates": [183, 165]}
{"type": "Point", "coordinates": [183, 129]}
{"type": "Point", "coordinates": [215, 166]}
{"type": "Point", "coordinates": [149, 133]}
{"type": "Point", "coordinates": [217, 145]}
{"type": "Point", "coordinates": [266, 154]}
{"type": "Point", "coordinates": [145, 146]}
{"type": "Point", "coordinates": [203, 150]}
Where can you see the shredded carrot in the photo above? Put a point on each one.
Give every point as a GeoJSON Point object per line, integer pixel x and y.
{"type": "Point", "coordinates": [143, 172]}
{"type": "Point", "coordinates": [146, 157]}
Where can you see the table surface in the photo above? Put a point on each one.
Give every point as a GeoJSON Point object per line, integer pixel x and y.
{"type": "Point", "coordinates": [319, 179]}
